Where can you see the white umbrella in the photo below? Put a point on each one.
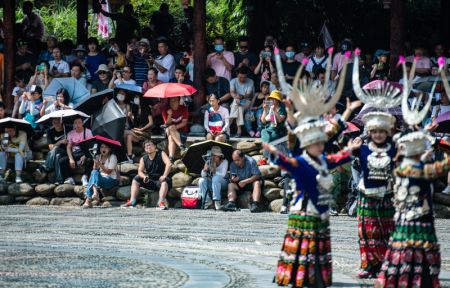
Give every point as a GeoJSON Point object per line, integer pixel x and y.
{"type": "Point", "coordinates": [62, 114]}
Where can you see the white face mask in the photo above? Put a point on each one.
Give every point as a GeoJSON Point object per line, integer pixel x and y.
{"type": "Point", "coordinates": [136, 101]}
{"type": "Point", "coordinates": [120, 97]}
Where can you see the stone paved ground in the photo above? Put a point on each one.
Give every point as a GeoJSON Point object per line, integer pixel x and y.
{"type": "Point", "coordinates": [71, 247]}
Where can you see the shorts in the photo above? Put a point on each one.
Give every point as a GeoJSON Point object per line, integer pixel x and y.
{"type": "Point", "coordinates": [249, 187]}
{"type": "Point", "coordinates": [152, 184]}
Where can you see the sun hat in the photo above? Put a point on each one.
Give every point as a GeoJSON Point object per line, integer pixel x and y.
{"type": "Point", "coordinates": [102, 67]}
{"type": "Point", "coordinates": [215, 150]}
{"type": "Point", "coordinates": [275, 94]}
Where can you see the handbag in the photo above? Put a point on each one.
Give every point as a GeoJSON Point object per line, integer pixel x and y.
{"type": "Point", "coordinates": [191, 198]}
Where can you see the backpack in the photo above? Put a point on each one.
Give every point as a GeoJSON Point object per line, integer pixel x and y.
{"type": "Point", "coordinates": [316, 65]}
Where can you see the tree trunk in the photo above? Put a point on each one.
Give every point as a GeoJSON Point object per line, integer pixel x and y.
{"type": "Point", "coordinates": [397, 37]}
{"type": "Point", "coordinates": [199, 51]}
{"type": "Point", "coordinates": [82, 17]}
{"type": "Point", "coordinates": [9, 18]}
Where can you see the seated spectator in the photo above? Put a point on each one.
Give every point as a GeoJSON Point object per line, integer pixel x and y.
{"type": "Point", "coordinates": [216, 122]}
{"type": "Point", "coordinates": [75, 156]}
{"type": "Point", "coordinates": [58, 67]}
{"type": "Point", "coordinates": [380, 69]}
{"type": "Point", "coordinates": [305, 51]}
{"type": "Point", "coordinates": [103, 80]}
{"type": "Point", "coordinates": [122, 77]}
{"type": "Point", "coordinates": [165, 63]}
{"type": "Point", "coordinates": [56, 139]}
{"type": "Point", "coordinates": [46, 55]}
{"type": "Point", "coordinates": [318, 61]}
{"type": "Point", "coordinates": [14, 143]}
{"type": "Point", "coordinates": [218, 86]}
{"type": "Point", "coordinates": [139, 58]}
{"type": "Point", "coordinates": [423, 64]}
{"type": "Point", "coordinates": [61, 102]}
{"type": "Point", "coordinates": [2, 110]}
{"type": "Point", "coordinates": [31, 104]}
{"type": "Point", "coordinates": [265, 67]}
{"type": "Point", "coordinates": [67, 47]}
{"type": "Point", "coordinates": [274, 82]}
{"type": "Point", "coordinates": [153, 174]}
{"type": "Point", "coordinates": [152, 80]}
{"type": "Point", "coordinates": [17, 93]}
{"type": "Point", "coordinates": [273, 117]}
{"type": "Point", "coordinates": [121, 97]}
{"type": "Point", "coordinates": [244, 57]}
{"type": "Point", "coordinates": [214, 176]}
{"type": "Point", "coordinates": [220, 60]}
{"type": "Point", "coordinates": [117, 60]}
{"type": "Point", "coordinates": [77, 72]}
{"type": "Point", "coordinates": [40, 77]}
{"type": "Point", "coordinates": [103, 176]}
{"type": "Point", "coordinates": [24, 61]}
{"type": "Point", "coordinates": [245, 176]}
{"type": "Point", "coordinates": [256, 110]}
{"type": "Point", "coordinates": [94, 59]}
{"type": "Point", "coordinates": [180, 76]}
{"type": "Point", "coordinates": [290, 65]}
{"type": "Point", "coordinates": [175, 120]}
{"type": "Point", "coordinates": [242, 90]}
{"type": "Point", "coordinates": [137, 135]}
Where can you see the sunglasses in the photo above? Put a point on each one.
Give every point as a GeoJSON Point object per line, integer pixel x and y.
{"type": "Point", "coordinates": [101, 72]}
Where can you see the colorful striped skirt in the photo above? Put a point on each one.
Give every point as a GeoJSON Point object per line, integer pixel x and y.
{"type": "Point", "coordinates": [305, 258]}
{"type": "Point", "coordinates": [375, 225]}
{"type": "Point", "coordinates": [413, 258]}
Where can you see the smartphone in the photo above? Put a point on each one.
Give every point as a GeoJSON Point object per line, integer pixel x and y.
{"type": "Point", "coordinates": [233, 174]}
{"type": "Point", "coordinates": [40, 67]}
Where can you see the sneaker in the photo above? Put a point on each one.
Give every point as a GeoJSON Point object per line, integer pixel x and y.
{"type": "Point", "coordinates": [208, 204]}
{"type": "Point", "coordinates": [255, 208]}
{"type": "Point", "coordinates": [217, 205]}
{"type": "Point", "coordinates": [446, 190]}
{"type": "Point", "coordinates": [69, 181]}
{"type": "Point", "coordinates": [237, 135]}
{"type": "Point", "coordinates": [129, 204]}
{"type": "Point", "coordinates": [171, 159]}
{"type": "Point", "coordinates": [87, 204]}
{"type": "Point", "coordinates": [283, 210]}
{"type": "Point", "coordinates": [18, 179]}
{"type": "Point", "coordinates": [84, 181]}
{"type": "Point", "coordinates": [230, 206]}
{"type": "Point", "coordinates": [251, 133]}
{"type": "Point", "coordinates": [130, 159]}
{"type": "Point", "coordinates": [257, 134]}
{"type": "Point", "coordinates": [365, 274]}
{"type": "Point", "coordinates": [162, 205]}
{"type": "Point", "coordinates": [333, 212]}
{"type": "Point", "coordinates": [183, 149]}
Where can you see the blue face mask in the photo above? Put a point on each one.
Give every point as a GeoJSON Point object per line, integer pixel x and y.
{"type": "Point", "coordinates": [290, 54]}
{"type": "Point", "coordinates": [218, 48]}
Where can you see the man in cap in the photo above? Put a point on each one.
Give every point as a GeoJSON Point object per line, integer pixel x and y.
{"type": "Point", "coordinates": [24, 61]}
{"type": "Point", "coordinates": [47, 54]}
{"type": "Point", "coordinates": [103, 79]}
{"type": "Point", "coordinates": [140, 59]}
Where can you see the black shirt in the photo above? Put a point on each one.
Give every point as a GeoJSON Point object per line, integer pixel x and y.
{"type": "Point", "coordinates": [220, 88]}
{"type": "Point", "coordinates": [154, 168]}
{"type": "Point", "coordinates": [290, 68]}
{"type": "Point", "coordinates": [54, 136]}
{"type": "Point", "coordinates": [252, 61]}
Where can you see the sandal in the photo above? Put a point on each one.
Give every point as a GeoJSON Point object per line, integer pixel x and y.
{"type": "Point", "coordinates": [87, 204]}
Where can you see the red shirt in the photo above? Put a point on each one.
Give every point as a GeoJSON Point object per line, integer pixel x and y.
{"type": "Point", "coordinates": [177, 116]}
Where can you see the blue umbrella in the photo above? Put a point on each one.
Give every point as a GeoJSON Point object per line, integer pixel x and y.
{"type": "Point", "coordinates": [76, 90]}
{"type": "Point", "coordinates": [129, 88]}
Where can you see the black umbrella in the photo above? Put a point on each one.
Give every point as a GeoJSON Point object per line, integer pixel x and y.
{"type": "Point", "coordinates": [94, 102]}
{"type": "Point", "coordinates": [19, 124]}
{"type": "Point", "coordinates": [109, 122]}
{"type": "Point", "coordinates": [93, 145]}
{"type": "Point", "coordinates": [193, 157]}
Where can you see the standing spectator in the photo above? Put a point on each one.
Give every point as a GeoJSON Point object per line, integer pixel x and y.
{"type": "Point", "coordinates": [180, 76]}
{"type": "Point", "coordinates": [24, 61]}
{"type": "Point", "coordinates": [218, 86]}
{"type": "Point", "coordinates": [274, 82]}
{"type": "Point", "coordinates": [127, 25]}
{"type": "Point", "coordinates": [265, 67]}
{"type": "Point", "coordinates": [32, 26]}
{"type": "Point", "coordinates": [438, 52]}
{"type": "Point", "coordinates": [117, 60]}
{"type": "Point", "coordinates": [165, 63]}
{"type": "Point", "coordinates": [58, 67]}
{"type": "Point", "coordinates": [214, 175]}
{"type": "Point", "coordinates": [16, 146]}
{"type": "Point", "coordinates": [122, 77]}
{"type": "Point", "coordinates": [290, 65]}
{"type": "Point", "coordinates": [103, 79]}
{"type": "Point", "coordinates": [244, 57]}
{"type": "Point", "coordinates": [339, 58]}
{"type": "Point", "coordinates": [175, 119]}
{"type": "Point", "coordinates": [216, 122]}
{"type": "Point", "coordinates": [56, 139]}
{"type": "Point", "coordinates": [31, 105]}
{"type": "Point", "coordinates": [221, 61]}
{"type": "Point", "coordinates": [153, 174]}
{"type": "Point", "coordinates": [103, 176]}
{"type": "Point", "coordinates": [93, 58]}
{"type": "Point", "coordinates": [242, 90]}
{"type": "Point", "coordinates": [47, 54]}
{"type": "Point", "coordinates": [380, 69]}
{"type": "Point", "coordinates": [273, 117]}
{"type": "Point", "coordinates": [77, 73]}
{"type": "Point", "coordinates": [245, 176]}
{"type": "Point", "coordinates": [75, 156]}
{"type": "Point", "coordinates": [423, 64]}
{"type": "Point", "coordinates": [162, 21]}
{"type": "Point", "coordinates": [139, 58]}
{"type": "Point", "coordinates": [305, 52]}
{"type": "Point", "coordinates": [317, 61]}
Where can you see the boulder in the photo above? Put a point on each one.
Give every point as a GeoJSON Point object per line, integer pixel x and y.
{"type": "Point", "coordinates": [32, 165]}
{"type": "Point", "coordinates": [275, 205]}
{"type": "Point", "coordinates": [22, 199]}
{"type": "Point", "coordinates": [40, 144]}
{"type": "Point", "coordinates": [3, 188]}
{"type": "Point", "coordinates": [269, 171]}
{"type": "Point", "coordinates": [77, 178]}
{"type": "Point", "coordinates": [181, 180]}
{"type": "Point", "coordinates": [123, 193]}
{"type": "Point", "coordinates": [23, 189]}
{"type": "Point", "coordinates": [110, 192]}
{"type": "Point", "coordinates": [254, 153]}
{"type": "Point", "coordinates": [272, 193]}
{"type": "Point", "coordinates": [45, 189]}
{"type": "Point", "coordinates": [180, 165]}
{"type": "Point", "coordinates": [127, 168]}
{"type": "Point", "coordinates": [79, 191]}
{"type": "Point", "coordinates": [175, 192]}
{"type": "Point", "coordinates": [246, 146]}
{"type": "Point", "coordinates": [124, 180]}
{"type": "Point", "coordinates": [6, 199]}
{"type": "Point", "coordinates": [39, 201]}
{"type": "Point", "coordinates": [441, 211]}
{"type": "Point", "coordinates": [109, 198]}
{"type": "Point", "coordinates": [269, 184]}
{"type": "Point", "coordinates": [38, 155]}
{"type": "Point", "coordinates": [51, 177]}
{"type": "Point", "coordinates": [39, 177]}
{"type": "Point", "coordinates": [151, 198]}
{"type": "Point", "coordinates": [196, 181]}
{"type": "Point", "coordinates": [138, 150]}
{"type": "Point", "coordinates": [244, 200]}
{"type": "Point", "coordinates": [69, 201]}
{"type": "Point", "coordinates": [162, 145]}
{"type": "Point", "coordinates": [106, 204]}
{"type": "Point", "coordinates": [65, 190]}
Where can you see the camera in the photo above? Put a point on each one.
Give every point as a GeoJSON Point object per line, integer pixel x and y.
{"type": "Point", "coordinates": [266, 54]}
{"type": "Point", "coordinates": [207, 157]}
{"type": "Point", "coordinates": [5, 140]}
{"type": "Point", "coordinates": [94, 150]}
{"type": "Point", "coordinates": [268, 103]}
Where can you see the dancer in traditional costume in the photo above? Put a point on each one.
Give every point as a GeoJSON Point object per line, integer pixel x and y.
{"type": "Point", "coordinates": [305, 258]}
{"type": "Point", "coordinates": [413, 257]}
{"type": "Point", "coordinates": [375, 208]}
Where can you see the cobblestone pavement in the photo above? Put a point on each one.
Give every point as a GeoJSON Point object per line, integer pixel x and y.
{"type": "Point", "coordinates": [70, 247]}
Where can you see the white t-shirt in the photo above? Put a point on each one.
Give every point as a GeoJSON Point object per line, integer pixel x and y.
{"type": "Point", "coordinates": [110, 163]}
{"type": "Point", "coordinates": [167, 62]}
{"type": "Point", "coordinates": [118, 82]}
{"type": "Point", "coordinates": [62, 66]}
{"type": "Point", "coordinates": [221, 170]}
{"type": "Point", "coordinates": [311, 64]}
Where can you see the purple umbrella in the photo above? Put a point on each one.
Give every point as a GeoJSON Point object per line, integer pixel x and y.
{"type": "Point", "coordinates": [380, 84]}
{"type": "Point", "coordinates": [394, 111]}
{"type": "Point", "coordinates": [443, 122]}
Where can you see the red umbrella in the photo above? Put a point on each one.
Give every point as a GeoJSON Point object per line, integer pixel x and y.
{"type": "Point", "coordinates": [169, 90]}
{"type": "Point", "coordinates": [351, 128]}
{"type": "Point", "coordinates": [97, 140]}
{"type": "Point", "coordinates": [380, 84]}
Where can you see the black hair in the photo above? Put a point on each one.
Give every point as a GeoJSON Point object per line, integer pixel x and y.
{"type": "Point", "coordinates": [210, 73]}
{"type": "Point", "coordinates": [147, 141]}
{"type": "Point", "coordinates": [243, 70]}
{"type": "Point", "coordinates": [92, 40]}
{"type": "Point", "coordinates": [28, 4]}
{"type": "Point", "coordinates": [154, 70]}
{"type": "Point", "coordinates": [79, 66]}
{"type": "Point", "coordinates": [243, 38]}
{"type": "Point", "coordinates": [218, 37]}
{"type": "Point", "coordinates": [2, 105]}
{"type": "Point", "coordinates": [65, 95]}
{"type": "Point", "coordinates": [162, 40]}
{"type": "Point", "coordinates": [181, 67]}
{"type": "Point", "coordinates": [212, 95]}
